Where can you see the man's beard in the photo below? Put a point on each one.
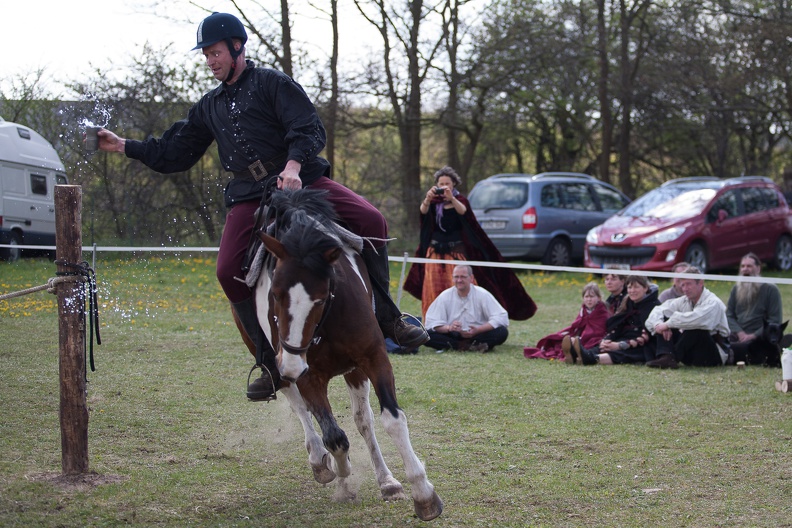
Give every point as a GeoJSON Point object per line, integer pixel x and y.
{"type": "Point", "coordinates": [747, 292]}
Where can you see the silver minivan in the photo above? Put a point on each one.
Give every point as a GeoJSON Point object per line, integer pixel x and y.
{"type": "Point", "coordinates": [544, 216]}
{"type": "Point", "coordinates": [29, 170]}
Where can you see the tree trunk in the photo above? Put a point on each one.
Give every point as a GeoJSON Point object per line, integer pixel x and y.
{"type": "Point", "coordinates": [604, 96]}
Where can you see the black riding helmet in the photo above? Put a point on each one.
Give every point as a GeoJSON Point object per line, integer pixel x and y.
{"type": "Point", "coordinates": [222, 26]}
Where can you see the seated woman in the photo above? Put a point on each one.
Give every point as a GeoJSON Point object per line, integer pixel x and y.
{"type": "Point", "coordinates": [617, 289]}
{"type": "Point", "coordinates": [589, 327]}
{"type": "Point", "coordinates": [626, 339]}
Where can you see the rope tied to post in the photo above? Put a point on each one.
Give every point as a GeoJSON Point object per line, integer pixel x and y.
{"type": "Point", "coordinates": [82, 272]}
{"type": "Point", "coordinates": [50, 287]}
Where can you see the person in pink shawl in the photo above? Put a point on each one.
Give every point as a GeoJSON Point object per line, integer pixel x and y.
{"type": "Point", "coordinates": [589, 327]}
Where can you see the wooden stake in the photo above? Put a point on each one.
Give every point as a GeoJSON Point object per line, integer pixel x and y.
{"type": "Point", "coordinates": [71, 331]}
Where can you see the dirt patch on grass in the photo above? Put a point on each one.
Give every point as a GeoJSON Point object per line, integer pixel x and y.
{"type": "Point", "coordinates": [80, 482]}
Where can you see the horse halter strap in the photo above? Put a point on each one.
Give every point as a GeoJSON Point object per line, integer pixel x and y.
{"type": "Point", "coordinates": [315, 339]}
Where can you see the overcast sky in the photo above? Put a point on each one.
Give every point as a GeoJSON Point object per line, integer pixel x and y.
{"type": "Point", "coordinates": [68, 38]}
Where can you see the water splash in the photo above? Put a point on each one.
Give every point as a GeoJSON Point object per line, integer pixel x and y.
{"type": "Point", "coordinates": [99, 115]}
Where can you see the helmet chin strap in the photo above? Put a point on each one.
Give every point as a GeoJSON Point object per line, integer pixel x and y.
{"type": "Point", "coordinates": [234, 55]}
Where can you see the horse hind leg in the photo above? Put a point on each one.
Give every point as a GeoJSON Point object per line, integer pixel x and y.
{"type": "Point", "coordinates": [390, 488]}
{"type": "Point", "coordinates": [318, 457]}
{"type": "Point", "coordinates": [426, 502]}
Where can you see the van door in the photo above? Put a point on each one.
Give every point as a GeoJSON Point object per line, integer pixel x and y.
{"type": "Point", "coordinates": [15, 203]}
{"type": "Point", "coordinates": [41, 207]}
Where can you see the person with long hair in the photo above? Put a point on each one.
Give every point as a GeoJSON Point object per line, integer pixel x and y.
{"type": "Point", "coordinates": [588, 327]}
{"type": "Point", "coordinates": [450, 232]}
{"type": "Point", "coordinates": [626, 339]}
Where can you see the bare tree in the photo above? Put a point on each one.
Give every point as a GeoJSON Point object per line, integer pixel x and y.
{"type": "Point", "coordinates": [22, 92]}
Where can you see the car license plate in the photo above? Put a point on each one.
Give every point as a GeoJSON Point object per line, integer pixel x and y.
{"type": "Point", "coordinates": [493, 224]}
{"type": "Point", "coordinates": [616, 266]}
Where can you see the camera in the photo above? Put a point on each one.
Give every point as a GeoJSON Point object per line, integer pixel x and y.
{"type": "Point", "coordinates": [438, 191]}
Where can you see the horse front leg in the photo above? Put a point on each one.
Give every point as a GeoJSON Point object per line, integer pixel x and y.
{"type": "Point", "coordinates": [426, 502]}
{"type": "Point", "coordinates": [318, 457]}
{"type": "Point", "coordinates": [314, 393]}
{"type": "Point", "coordinates": [358, 386]}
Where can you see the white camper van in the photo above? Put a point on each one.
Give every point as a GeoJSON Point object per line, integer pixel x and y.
{"type": "Point", "coordinates": [29, 170]}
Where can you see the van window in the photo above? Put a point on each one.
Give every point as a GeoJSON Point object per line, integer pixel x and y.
{"type": "Point", "coordinates": [578, 197]}
{"type": "Point", "coordinates": [38, 184]}
{"type": "Point", "coordinates": [610, 200]}
{"type": "Point", "coordinates": [13, 180]}
{"type": "Point", "coordinates": [499, 195]}
{"type": "Point", "coordinates": [551, 196]}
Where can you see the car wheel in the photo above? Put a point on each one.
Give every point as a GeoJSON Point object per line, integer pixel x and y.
{"type": "Point", "coordinates": [11, 254]}
{"type": "Point", "coordinates": [783, 255]}
{"type": "Point", "coordinates": [696, 255]}
{"type": "Point", "coordinates": [558, 253]}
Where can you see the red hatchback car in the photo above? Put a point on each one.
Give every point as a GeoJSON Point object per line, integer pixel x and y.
{"type": "Point", "coordinates": [706, 221]}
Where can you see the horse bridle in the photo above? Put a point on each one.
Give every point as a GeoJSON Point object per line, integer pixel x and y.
{"type": "Point", "coordinates": [315, 339]}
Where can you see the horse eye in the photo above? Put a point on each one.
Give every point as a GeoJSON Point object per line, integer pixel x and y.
{"type": "Point", "coordinates": [319, 302]}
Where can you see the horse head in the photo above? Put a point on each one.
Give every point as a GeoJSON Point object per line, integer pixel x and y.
{"type": "Point", "coordinates": [302, 288]}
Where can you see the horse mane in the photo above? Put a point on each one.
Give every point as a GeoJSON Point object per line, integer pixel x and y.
{"type": "Point", "coordinates": [306, 225]}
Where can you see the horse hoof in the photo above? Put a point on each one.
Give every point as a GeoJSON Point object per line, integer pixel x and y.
{"type": "Point", "coordinates": [322, 473]}
{"type": "Point", "coordinates": [429, 509]}
{"type": "Point", "coordinates": [393, 492]}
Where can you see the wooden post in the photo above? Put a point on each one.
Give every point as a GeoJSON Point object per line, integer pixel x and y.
{"type": "Point", "coordinates": [71, 331]}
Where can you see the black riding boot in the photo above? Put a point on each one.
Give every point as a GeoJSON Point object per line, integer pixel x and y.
{"type": "Point", "coordinates": [388, 315]}
{"type": "Point", "coordinates": [263, 388]}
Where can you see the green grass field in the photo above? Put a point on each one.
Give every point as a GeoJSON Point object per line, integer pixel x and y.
{"type": "Point", "coordinates": [506, 441]}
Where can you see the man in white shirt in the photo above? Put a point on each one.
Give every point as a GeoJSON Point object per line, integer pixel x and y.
{"type": "Point", "coordinates": [466, 316]}
{"type": "Point", "coordinates": [692, 329]}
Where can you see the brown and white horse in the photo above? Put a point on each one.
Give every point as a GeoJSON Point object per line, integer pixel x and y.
{"type": "Point", "coordinates": [315, 305]}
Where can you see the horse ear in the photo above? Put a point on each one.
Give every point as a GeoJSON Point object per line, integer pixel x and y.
{"type": "Point", "coordinates": [784, 325]}
{"type": "Point", "coordinates": [273, 245]}
{"type": "Point", "coordinates": [331, 255]}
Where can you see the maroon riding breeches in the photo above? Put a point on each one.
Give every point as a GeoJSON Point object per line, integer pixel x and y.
{"type": "Point", "coordinates": [358, 215]}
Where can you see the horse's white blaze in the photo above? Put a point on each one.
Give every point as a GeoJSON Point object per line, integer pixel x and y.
{"type": "Point", "coordinates": [300, 305]}
{"type": "Point", "coordinates": [292, 365]}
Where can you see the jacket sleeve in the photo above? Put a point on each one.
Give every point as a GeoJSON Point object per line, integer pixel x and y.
{"type": "Point", "coordinates": [305, 133]}
{"type": "Point", "coordinates": [179, 148]}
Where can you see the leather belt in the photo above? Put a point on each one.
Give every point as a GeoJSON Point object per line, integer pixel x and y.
{"type": "Point", "coordinates": [257, 170]}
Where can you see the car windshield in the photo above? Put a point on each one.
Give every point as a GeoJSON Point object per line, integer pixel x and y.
{"type": "Point", "coordinates": [674, 201]}
{"type": "Point", "coordinates": [499, 195]}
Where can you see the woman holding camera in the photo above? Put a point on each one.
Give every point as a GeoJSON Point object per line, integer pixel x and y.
{"type": "Point", "coordinates": [450, 232]}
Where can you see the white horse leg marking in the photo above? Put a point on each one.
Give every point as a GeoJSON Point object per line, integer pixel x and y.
{"type": "Point", "coordinates": [318, 457]}
{"type": "Point", "coordinates": [422, 490]}
{"type": "Point", "coordinates": [390, 488]}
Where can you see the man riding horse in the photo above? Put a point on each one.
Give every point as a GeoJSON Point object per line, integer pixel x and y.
{"type": "Point", "coordinates": [265, 127]}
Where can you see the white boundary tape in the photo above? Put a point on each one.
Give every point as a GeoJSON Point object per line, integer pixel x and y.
{"type": "Point", "coordinates": [407, 259]}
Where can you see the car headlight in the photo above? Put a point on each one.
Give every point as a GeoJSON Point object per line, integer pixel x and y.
{"type": "Point", "coordinates": [666, 235]}
{"type": "Point", "coordinates": [592, 237]}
